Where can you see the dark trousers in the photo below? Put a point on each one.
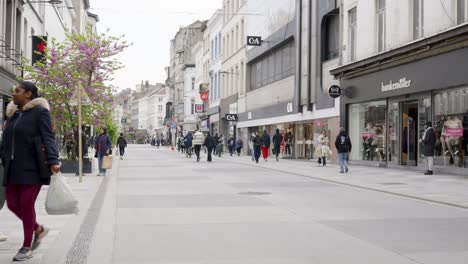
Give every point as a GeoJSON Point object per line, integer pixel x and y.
{"type": "Point", "coordinates": [210, 150]}
{"type": "Point", "coordinates": [231, 150]}
{"type": "Point", "coordinates": [287, 150]}
{"type": "Point", "coordinates": [277, 150]}
{"type": "Point", "coordinates": [257, 151]}
{"type": "Point", "coordinates": [239, 151]}
{"type": "Point", "coordinates": [122, 151]}
{"type": "Point", "coordinates": [21, 200]}
{"type": "Point", "coordinates": [197, 151]}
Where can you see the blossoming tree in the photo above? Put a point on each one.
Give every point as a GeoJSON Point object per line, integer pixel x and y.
{"type": "Point", "coordinates": [89, 59]}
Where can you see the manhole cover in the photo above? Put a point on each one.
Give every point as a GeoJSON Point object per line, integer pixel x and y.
{"type": "Point", "coordinates": [393, 183]}
{"type": "Point", "coordinates": [254, 193]}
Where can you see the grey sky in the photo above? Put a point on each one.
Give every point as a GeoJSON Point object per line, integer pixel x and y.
{"type": "Point", "coordinates": [149, 25]}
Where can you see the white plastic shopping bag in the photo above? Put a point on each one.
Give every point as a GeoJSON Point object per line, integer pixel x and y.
{"type": "Point", "coordinates": [60, 199]}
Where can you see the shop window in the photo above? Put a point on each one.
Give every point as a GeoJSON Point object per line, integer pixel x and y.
{"type": "Point", "coordinates": [367, 131]}
{"type": "Point", "coordinates": [451, 127]}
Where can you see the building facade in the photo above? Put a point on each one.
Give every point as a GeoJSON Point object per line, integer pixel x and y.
{"type": "Point", "coordinates": [215, 26]}
{"type": "Point", "coordinates": [401, 67]}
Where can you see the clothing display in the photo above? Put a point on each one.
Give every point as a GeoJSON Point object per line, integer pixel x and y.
{"type": "Point", "coordinates": [452, 134]}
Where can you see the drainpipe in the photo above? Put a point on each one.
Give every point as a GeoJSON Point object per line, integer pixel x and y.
{"type": "Point", "coordinates": [312, 52]}
{"type": "Point", "coordinates": [298, 54]}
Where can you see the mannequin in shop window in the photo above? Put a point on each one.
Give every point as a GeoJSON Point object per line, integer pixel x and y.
{"type": "Point", "coordinates": [379, 144]}
{"type": "Point", "coordinates": [452, 131]}
{"type": "Point", "coordinates": [368, 144]}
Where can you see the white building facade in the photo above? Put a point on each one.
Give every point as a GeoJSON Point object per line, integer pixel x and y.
{"type": "Point", "coordinates": [215, 27]}
{"type": "Point", "coordinates": [401, 67]}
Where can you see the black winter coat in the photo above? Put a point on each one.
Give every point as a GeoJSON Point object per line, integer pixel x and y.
{"type": "Point", "coordinates": [428, 143]}
{"type": "Point", "coordinates": [343, 143]}
{"type": "Point", "coordinates": [210, 142]}
{"type": "Point", "coordinates": [277, 139]}
{"type": "Point", "coordinates": [17, 149]}
{"type": "Point", "coordinates": [121, 142]}
{"type": "Point", "coordinates": [266, 142]}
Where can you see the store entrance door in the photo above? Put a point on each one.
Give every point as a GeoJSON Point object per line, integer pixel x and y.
{"type": "Point", "coordinates": [409, 133]}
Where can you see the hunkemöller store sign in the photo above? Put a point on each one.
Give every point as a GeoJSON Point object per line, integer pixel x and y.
{"type": "Point", "coordinates": [391, 86]}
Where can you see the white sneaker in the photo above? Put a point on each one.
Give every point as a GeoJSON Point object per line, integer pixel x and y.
{"type": "Point", "coordinates": [3, 237]}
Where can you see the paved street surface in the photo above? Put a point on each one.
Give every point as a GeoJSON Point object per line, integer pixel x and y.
{"type": "Point", "coordinates": [159, 207]}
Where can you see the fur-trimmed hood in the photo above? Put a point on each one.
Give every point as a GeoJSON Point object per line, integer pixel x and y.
{"type": "Point", "coordinates": [12, 108]}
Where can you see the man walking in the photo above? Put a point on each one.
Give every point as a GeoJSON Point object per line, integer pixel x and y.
{"type": "Point", "coordinates": [343, 145]}
{"type": "Point", "coordinates": [288, 140]}
{"type": "Point", "coordinates": [277, 139]}
{"type": "Point", "coordinates": [210, 143]}
{"type": "Point", "coordinates": [239, 146]}
{"type": "Point", "coordinates": [251, 146]}
{"type": "Point", "coordinates": [231, 145]}
{"type": "Point", "coordinates": [121, 144]}
{"type": "Point", "coordinates": [257, 144]}
{"type": "Point", "coordinates": [198, 140]}
{"type": "Point", "coordinates": [428, 143]}
{"type": "Point", "coordinates": [266, 142]}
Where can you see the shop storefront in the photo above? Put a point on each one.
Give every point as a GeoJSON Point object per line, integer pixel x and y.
{"type": "Point", "coordinates": [385, 113]}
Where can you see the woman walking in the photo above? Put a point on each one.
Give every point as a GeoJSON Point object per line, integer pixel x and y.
{"type": "Point", "coordinates": [103, 147]}
{"type": "Point", "coordinates": [323, 150]}
{"type": "Point", "coordinates": [28, 122]}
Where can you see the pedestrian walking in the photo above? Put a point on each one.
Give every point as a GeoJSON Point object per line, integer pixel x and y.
{"type": "Point", "coordinates": [277, 139]}
{"type": "Point", "coordinates": [231, 145]}
{"type": "Point", "coordinates": [210, 144]}
{"type": "Point", "coordinates": [239, 146]}
{"type": "Point", "coordinates": [251, 146]}
{"type": "Point", "coordinates": [343, 145]}
{"type": "Point", "coordinates": [257, 144]}
{"type": "Point", "coordinates": [265, 145]}
{"type": "Point", "coordinates": [121, 144]}
{"type": "Point", "coordinates": [220, 145]}
{"type": "Point", "coordinates": [198, 141]}
{"type": "Point", "coordinates": [322, 150]}
{"type": "Point", "coordinates": [103, 148]}
{"type": "Point", "coordinates": [188, 141]}
{"type": "Point", "coordinates": [158, 143]}
{"type": "Point", "coordinates": [428, 143]}
{"type": "Point", "coordinates": [28, 128]}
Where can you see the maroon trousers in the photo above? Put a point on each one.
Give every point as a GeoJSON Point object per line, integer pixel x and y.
{"type": "Point", "coordinates": [265, 152]}
{"type": "Point", "coordinates": [21, 200]}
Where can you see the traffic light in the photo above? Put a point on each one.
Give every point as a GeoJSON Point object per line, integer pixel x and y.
{"type": "Point", "coordinates": [39, 45]}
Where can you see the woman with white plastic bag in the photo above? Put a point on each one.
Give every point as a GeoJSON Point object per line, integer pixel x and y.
{"type": "Point", "coordinates": [29, 156]}
{"type": "Point", "coordinates": [60, 199]}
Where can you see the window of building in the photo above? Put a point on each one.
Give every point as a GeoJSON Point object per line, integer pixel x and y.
{"type": "Point", "coordinates": [160, 121]}
{"type": "Point", "coordinates": [160, 108]}
{"type": "Point", "coordinates": [212, 49]}
{"type": "Point", "coordinates": [381, 25]}
{"type": "Point", "coordinates": [233, 40]}
{"type": "Point", "coordinates": [160, 99]}
{"type": "Point", "coordinates": [242, 34]}
{"type": "Point", "coordinates": [332, 36]}
{"type": "Point", "coordinates": [219, 86]}
{"type": "Point", "coordinates": [278, 64]}
{"type": "Point", "coordinates": [418, 19]}
{"type": "Point", "coordinates": [228, 46]}
{"type": "Point", "coordinates": [237, 37]}
{"type": "Point", "coordinates": [352, 34]}
{"type": "Point", "coordinates": [219, 48]}
{"type": "Point", "coordinates": [193, 84]}
{"type": "Point", "coordinates": [192, 106]}
{"type": "Point", "coordinates": [242, 82]}
{"type": "Point", "coordinates": [461, 11]}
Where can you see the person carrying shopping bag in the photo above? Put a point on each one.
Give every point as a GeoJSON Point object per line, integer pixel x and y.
{"type": "Point", "coordinates": [322, 150]}
{"type": "Point", "coordinates": [103, 148]}
{"type": "Point", "coordinates": [28, 129]}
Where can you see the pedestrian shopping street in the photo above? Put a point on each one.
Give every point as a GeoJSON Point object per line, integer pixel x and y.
{"type": "Point", "coordinates": [157, 206]}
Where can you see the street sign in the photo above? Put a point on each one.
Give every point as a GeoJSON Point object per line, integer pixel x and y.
{"type": "Point", "coordinates": [204, 96]}
{"type": "Point", "coordinates": [254, 41]}
{"type": "Point", "coordinates": [199, 108]}
{"type": "Point", "coordinates": [334, 91]}
{"type": "Point", "coordinates": [231, 117]}
{"type": "Point", "coordinates": [75, 98]}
